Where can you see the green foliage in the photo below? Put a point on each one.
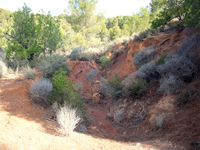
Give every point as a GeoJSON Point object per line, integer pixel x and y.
{"type": "Point", "coordinates": [114, 32]}
{"type": "Point", "coordinates": [5, 25]}
{"type": "Point", "coordinates": [192, 13]}
{"type": "Point", "coordinates": [111, 22]}
{"type": "Point", "coordinates": [82, 11]}
{"type": "Point", "coordinates": [64, 91]}
{"type": "Point", "coordinates": [161, 59]}
{"type": "Point", "coordinates": [125, 30]}
{"type": "Point", "coordinates": [104, 60]}
{"type": "Point", "coordinates": [48, 33]}
{"type": "Point", "coordinates": [103, 34]}
{"type": "Point", "coordinates": [138, 88]}
{"type": "Point", "coordinates": [30, 35]}
{"type": "Point", "coordinates": [163, 18]}
{"type": "Point", "coordinates": [155, 7]}
{"type": "Point", "coordinates": [23, 34]}
{"type": "Point", "coordinates": [50, 64]}
{"type": "Point", "coordinates": [186, 11]}
{"type": "Point", "coordinates": [143, 19]}
{"type": "Point", "coordinates": [114, 88]}
{"type": "Point", "coordinates": [185, 97]}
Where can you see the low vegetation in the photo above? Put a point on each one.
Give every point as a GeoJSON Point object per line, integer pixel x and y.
{"type": "Point", "coordinates": [113, 87]}
{"type": "Point", "coordinates": [178, 65]}
{"type": "Point", "coordinates": [64, 91]}
{"type": "Point", "coordinates": [170, 84]}
{"type": "Point", "coordinates": [50, 64]}
{"type": "Point", "coordinates": [41, 89]}
{"type": "Point", "coordinates": [149, 72]}
{"type": "Point", "coordinates": [159, 121]}
{"type": "Point", "coordinates": [28, 72]}
{"type": "Point", "coordinates": [138, 88]}
{"type": "Point", "coordinates": [91, 75]}
{"type": "Point", "coordinates": [185, 97]}
{"type": "Point", "coordinates": [104, 60]}
{"type": "Point", "coordinates": [189, 48]}
{"type": "Point", "coordinates": [143, 56]}
{"type": "Point", "coordinates": [68, 119]}
{"type": "Point", "coordinates": [161, 59]}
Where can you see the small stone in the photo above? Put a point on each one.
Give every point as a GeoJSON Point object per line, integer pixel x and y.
{"type": "Point", "coordinates": [96, 97]}
{"type": "Point", "coordinates": [138, 144]}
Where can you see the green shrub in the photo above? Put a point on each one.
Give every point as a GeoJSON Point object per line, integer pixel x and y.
{"type": "Point", "coordinates": [50, 64]}
{"type": "Point", "coordinates": [114, 88]}
{"type": "Point", "coordinates": [161, 60]}
{"type": "Point", "coordinates": [64, 91]}
{"type": "Point", "coordinates": [185, 97]}
{"type": "Point", "coordinates": [104, 60]}
{"type": "Point", "coordinates": [138, 88]}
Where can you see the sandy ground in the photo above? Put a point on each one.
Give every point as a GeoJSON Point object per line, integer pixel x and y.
{"type": "Point", "coordinates": [24, 126]}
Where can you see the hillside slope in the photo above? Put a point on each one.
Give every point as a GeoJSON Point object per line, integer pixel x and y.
{"type": "Point", "coordinates": [24, 125]}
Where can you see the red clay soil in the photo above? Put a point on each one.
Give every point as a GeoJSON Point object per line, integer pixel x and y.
{"type": "Point", "coordinates": [26, 126]}
{"type": "Point", "coordinates": [84, 67]}
{"type": "Point", "coordinates": [99, 124]}
{"type": "Point", "coordinates": [124, 64]}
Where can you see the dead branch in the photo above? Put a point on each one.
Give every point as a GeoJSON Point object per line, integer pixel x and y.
{"type": "Point", "coordinates": [165, 40]}
{"type": "Point", "coordinates": [79, 73]}
{"type": "Point", "coordinates": [140, 116]}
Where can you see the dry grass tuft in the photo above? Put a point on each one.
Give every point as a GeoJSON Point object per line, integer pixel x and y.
{"type": "Point", "coordinates": [68, 119]}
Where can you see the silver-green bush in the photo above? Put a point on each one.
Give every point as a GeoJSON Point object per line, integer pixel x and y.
{"type": "Point", "coordinates": [50, 64]}
{"type": "Point", "coordinates": [148, 72]}
{"type": "Point", "coordinates": [178, 65]}
{"type": "Point", "coordinates": [190, 48]}
{"type": "Point", "coordinates": [170, 84]}
{"type": "Point", "coordinates": [143, 56]}
{"type": "Point", "coordinates": [40, 91]}
{"type": "Point", "coordinates": [91, 75]}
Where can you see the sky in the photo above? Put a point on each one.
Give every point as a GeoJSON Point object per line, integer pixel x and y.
{"type": "Point", "coordinates": [112, 8]}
